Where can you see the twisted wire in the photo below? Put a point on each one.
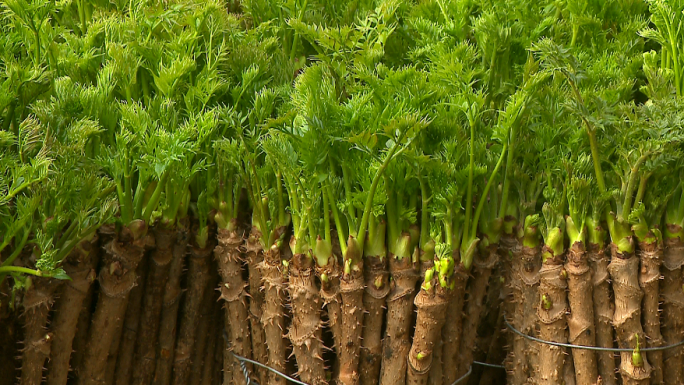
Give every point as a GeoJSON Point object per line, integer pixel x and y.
{"type": "Point", "coordinates": [594, 348]}
{"type": "Point", "coordinates": [248, 379]}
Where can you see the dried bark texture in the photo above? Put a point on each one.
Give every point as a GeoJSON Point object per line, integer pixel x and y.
{"type": "Point", "coordinates": [489, 318]}
{"type": "Point", "coordinates": [581, 317]}
{"type": "Point", "coordinates": [113, 354]}
{"type": "Point", "coordinates": [330, 294]}
{"type": "Point", "coordinates": [673, 309]}
{"type": "Point", "coordinates": [516, 363]}
{"type": "Point", "coordinates": [397, 343]}
{"type": "Point", "coordinates": [117, 278]}
{"type": "Point", "coordinates": [453, 328]}
{"type": "Point", "coordinates": [129, 335]}
{"type": "Point", "coordinates": [217, 375]}
{"type": "Point", "coordinates": [141, 273]}
{"type": "Point", "coordinates": [148, 334]}
{"type": "Point", "coordinates": [436, 375]}
{"type": "Point", "coordinates": [431, 307]}
{"type": "Point", "coordinates": [233, 292]}
{"type": "Point", "coordinates": [170, 305]}
{"type": "Point", "coordinates": [81, 337]}
{"type": "Point", "coordinates": [496, 354]}
{"type": "Point", "coordinates": [305, 332]}
{"type": "Point", "coordinates": [198, 276]}
{"type": "Point", "coordinates": [376, 275]}
{"type": "Point", "coordinates": [106, 233]}
{"type": "Point", "coordinates": [569, 370]}
{"type": "Point", "coordinates": [332, 303]}
{"type": "Point", "coordinates": [603, 312]}
{"type": "Point", "coordinates": [9, 333]}
{"type": "Point", "coordinates": [530, 275]}
{"type": "Point", "coordinates": [80, 267]}
{"type": "Point", "coordinates": [624, 272]}
{"type": "Point", "coordinates": [484, 262]}
{"type": "Point", "coordinates": [209, 354]}
{"type": "Point", "coordinates": [553, 326]}
{"type": "Point", "coordinates": [351, 292]}
{"type": "Point", "coordinates": [206, 322]}
{"type": "Point", "coordinates": [8, 336]}
{"type": "Point", "coordinates": [494, 300]}
{"type": "Point", "coordinates": [37, 341]}
{"type": "Point", "coordinates": [273, 316]}
{"type": "Point", "coordinates": [255, 255]}
{"type": "Point", "coordinates": [651, 257]}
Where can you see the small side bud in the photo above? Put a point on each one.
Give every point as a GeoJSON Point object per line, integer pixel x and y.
{"type": "Point", "coordinates": [547, 304]}
{"type": "Point", "coordinates": [429, 274]}
{"type": "Point", "coordinates": [637, 358]}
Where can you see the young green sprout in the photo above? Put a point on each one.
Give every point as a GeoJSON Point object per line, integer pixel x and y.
{"type": "Point", "coordinates": [637, 359]}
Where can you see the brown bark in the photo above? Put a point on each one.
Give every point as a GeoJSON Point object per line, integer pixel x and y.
{"type": "Point", "coordinates": [431, 307]}
{"type": "Point", "coordinates": [436, 375]}
{"type": "Point", "coordinates": [81, 337]}
{"type": "Point", "coordinates": [233, 292]}
{"type": "Point", "coordinates": [569, 370]}
{"type": "Point", "coordinates": [624, 272]}
{"type": "Point", "coordinates": [113, 355]}
{"type": "Point", "coordinates": [129, 335]}
{"type": "Point", "coordinates": [305, 332]}
{"type": "Point", "coordinates": [351, 292]}
{"type": "Point", "coordinates": [603, 313]}
{"type": "Point", "coordinates": [273, 316]}
{"type": "Point", "coordinates": [581, 317]}
{"type": "Point", "coordinates": [218, 376]}
{"type": "Point", "coordinates": [483, 270]}
{"type": "Point", "coordinates": [106, 233]}
{"type": "Point", "coordinates": [148, 334]}
{"type": "Point", "coordinates": [80, 267]}
{"type": "Point", "coordinates": [37, 302]}
{"type": "Point", "coordinates": [209, 353]}
{"type": "Point", "coordinates": [205, 324]}
{"type": "Point", "coordinates": [9, 359]}
{"type": "Point", "coordinates": [530, 276]}
{"type": "Point", "coordinates": [516, 362]}
{"type": "Point", "coordinates": [376, 275]}
{"type": "Point", "coordinates": [396, 344]}
{"type": "Point", "coordinates": [496, 354]}
{"type": "Point", "coordinates": [453, 328]}
{"type": "Point", "coordinates": [332, 301]}
{"type": "Point", "coordinates": [9, 336]}
{"type": "Point", "coordinates": [198, 276]}
{"type": "Point", "coordinates": [493, 302]}
{"type": "Point", "coordinates": [673, 309]}
{"type": "Point", "coordinates": [170, 306]}
{"type": "Point", "coordinates": [117, 278]}
{"type": "Point", "coordinates": [141, 273]}
{"type": "Point", "coordinates": [488, 320]}
{"type": "Point", "coordinates": [255, 255]}
{"type": "Point", "coordinates": [651, 257]}
{"type": "Point", "coordinates": [552, 322]}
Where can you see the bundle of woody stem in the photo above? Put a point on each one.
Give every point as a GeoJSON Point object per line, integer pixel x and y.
{"type": "Point", "coordinates": [355, 192]}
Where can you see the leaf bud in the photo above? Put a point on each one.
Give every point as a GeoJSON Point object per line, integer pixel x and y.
{"type": "Point", "coordinates": [547, 304]}
{"type": "Point", "coordinates": [637, 359]}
